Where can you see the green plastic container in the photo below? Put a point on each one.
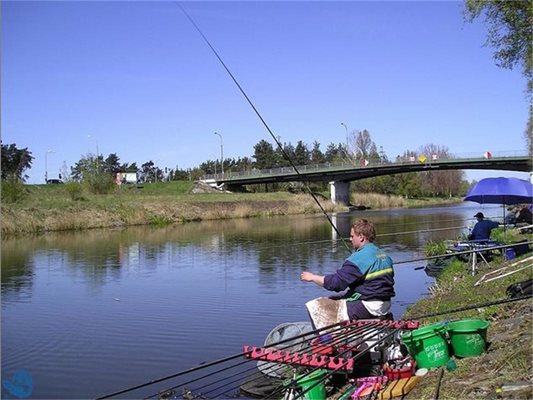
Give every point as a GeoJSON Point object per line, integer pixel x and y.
{"type": "Point", "coordinates": [428, 346]}
{"type": "Point", "coordinates": [307, 381]}
{"type": "Point", "coordinates": [468, 337]}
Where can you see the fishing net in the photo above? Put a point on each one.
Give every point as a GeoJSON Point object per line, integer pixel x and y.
{"type": "Point", "coordinates": [279, 333]}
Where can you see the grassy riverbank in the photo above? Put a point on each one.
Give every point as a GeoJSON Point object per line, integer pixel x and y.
{"type": "Point", "coordinates": [508, 359]}
{"type": "Point", "coordinates": [52, 209]}
{"type": "Point", "coordinates": [47, 208]}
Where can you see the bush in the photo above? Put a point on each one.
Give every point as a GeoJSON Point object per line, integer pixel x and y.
{"type": "Point", "coordinates": [13, 191]}
{"type": "Point", "coordinates": [99, 183]}
{"type": "Point", "coordinates": [75, 190]}
{"type": "Point", "coordinates": [435, 248]}
{"type": "Point", "coordinates": [505, 236]}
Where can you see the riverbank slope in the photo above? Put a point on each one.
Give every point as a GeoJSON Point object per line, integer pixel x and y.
{"type": "Point", "coordinates": [507, 364]}
{"type": "Point", "coordinates": [46, 208]}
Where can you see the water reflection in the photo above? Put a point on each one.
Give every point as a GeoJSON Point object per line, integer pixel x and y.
{"type": "Point", "coordinates": [143, 302]}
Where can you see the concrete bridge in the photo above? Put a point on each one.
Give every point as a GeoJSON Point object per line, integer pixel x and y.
{"type": "Point", "coordinates": [339, 175]}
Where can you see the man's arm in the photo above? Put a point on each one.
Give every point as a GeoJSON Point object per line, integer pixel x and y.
{"type": "Point", "coordinates": [307, 276]}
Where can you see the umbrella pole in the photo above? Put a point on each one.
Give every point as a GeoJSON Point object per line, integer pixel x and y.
{"type": "Point", "coordinates": [503, 209]}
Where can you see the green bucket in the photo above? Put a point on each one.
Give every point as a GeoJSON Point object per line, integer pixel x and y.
{"type": "Point", "coordinates": [318, 391]}
{"type": "Point", "coordinates": [468, 337]}
{"type": "Point", "coordinates": [428, 346]}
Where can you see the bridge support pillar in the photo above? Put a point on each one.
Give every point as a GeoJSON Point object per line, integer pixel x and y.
{"type": "Point", "coordinates": [340, 192]}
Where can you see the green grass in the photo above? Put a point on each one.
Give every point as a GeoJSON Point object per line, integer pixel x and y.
{"type": "Point", "coordinates": [508, 358]}
{"type": "Point", "coordinates": [73, 206]}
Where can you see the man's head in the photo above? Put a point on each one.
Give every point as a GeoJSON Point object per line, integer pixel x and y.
{"type": "Point", "coordinates": [479, 216]}
{"type": "Point", "coordinates": [362, 232]}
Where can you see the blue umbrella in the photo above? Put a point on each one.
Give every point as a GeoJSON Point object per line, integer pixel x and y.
{"type": "Point", "coordinates": [501, 191]}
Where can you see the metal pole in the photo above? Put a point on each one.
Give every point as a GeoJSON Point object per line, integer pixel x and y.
{"type": "Point", "coordinates": [221, 152]}
{"type": "Point", "coordinates": [347, 140]}
{"type": "Point", "coordinates": [46, 165]}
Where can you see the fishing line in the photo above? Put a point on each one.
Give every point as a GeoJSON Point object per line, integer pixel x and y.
{"type": "Point", "coordinates": [421, 231]}
{"type": "Point", "coordinates": [359, 355]}
{"type": "Point", "coordinates": [377, 332]}
{"type": "Point", "coordinates": [344, 335]}
{"type": "Point", "coordinates": [310, 242]}
{"type": "Point", "coordinates": [374, 329]}
{"type": "Point", "coordinates": [287, 157]}
{"type": "Point", "coordinates": [216, 362]}
{"type": "Point", "coordinates": [347, 332]}
{"type": "Point", "coordinates": [336, 325]}
{"type": "Point", "coordinates": [426, 258]}
{"type": "Point", "coordinates": [474, 306]}
{"type": "Point", "coordinates": [458, 253]}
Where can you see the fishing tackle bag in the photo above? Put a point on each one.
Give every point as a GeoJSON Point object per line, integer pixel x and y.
{"type": "Point", "coordinates": [520, 289]}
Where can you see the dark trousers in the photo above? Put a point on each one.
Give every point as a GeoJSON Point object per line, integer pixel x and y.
{"type": "Point", "coordinates": [357, 310]}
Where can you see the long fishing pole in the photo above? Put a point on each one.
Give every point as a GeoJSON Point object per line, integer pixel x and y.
{"type": "Point", "coordinates": [287, 157]}
{"type": "Point", "coordinates": [308, 242]}
{"type": "Point", "coordinates": [330, 373]}
{"type": "Point", "coordinates": [463, 252]}
{"type": "Point", "coordinates": [474, 306]}
{"type": "Point", "coordinates": [332, 329]}
{"type": "Point", "coordinates": [338, 325]}
{"type": "Point", "coordinates": [216, 362]}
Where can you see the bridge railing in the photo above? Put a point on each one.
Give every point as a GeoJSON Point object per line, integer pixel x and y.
{"type": "Point", "coordinates": [363, 163]}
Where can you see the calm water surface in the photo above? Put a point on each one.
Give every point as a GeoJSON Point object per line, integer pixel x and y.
{"type": "Point", "coordinates": [89, 313]}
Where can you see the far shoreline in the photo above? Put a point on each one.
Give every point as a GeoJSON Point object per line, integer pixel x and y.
{"type": "Point", "coordinates": [50, 208]}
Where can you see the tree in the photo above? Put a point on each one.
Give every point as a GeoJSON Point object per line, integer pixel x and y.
{"type": "Point", "coordinates": [364, 146]}
{"type": "Point", "coordinates": [264, 155]}
{"type": "Point", "coordinates": [88, 165]}
{"type": "Point", "coordinates": [15, 162]}
{"type": "Point", "coordinates": [528, 134]}
{"type": "Point", "coordinates": [150, 172]}
{"type": "Point", "coordinates": [209, 167]}
{"type": "Point", "coordinates": [439, 183]}
{"type": "Point", "coordinates": [111, 164]}
{"type": "Point", "coordinates": [510, 31]}
{"type": "Point", "coordinates": [511, 35]}
{"type": "Point", "coordinates": [335, 153]}
{"type": "Point", "coordinates": [244, 164]}
{"type": "Point", "coordinates": [301, 154]}
{"type": "Point", "coordinates": [317, 157]}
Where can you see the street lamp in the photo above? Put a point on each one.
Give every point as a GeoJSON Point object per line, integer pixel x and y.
{"type": "Point", "coordinates": [346, 128]}
{"type": "Point", "coordinates": [221, 152]}
{"type": "Point", "coordinates": [46, 164]}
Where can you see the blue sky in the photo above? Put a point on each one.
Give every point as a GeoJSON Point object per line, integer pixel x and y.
{"type": "Point", "coordinates": [136, 79]}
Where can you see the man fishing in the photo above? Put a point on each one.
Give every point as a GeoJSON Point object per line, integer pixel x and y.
{"type": "Point", "coordinates": [367, 273]}
{"type": "Point", "coordinates": [482, 228]}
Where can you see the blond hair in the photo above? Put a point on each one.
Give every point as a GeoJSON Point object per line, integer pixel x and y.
{"type": "Point", "coordinates": [365, 228]}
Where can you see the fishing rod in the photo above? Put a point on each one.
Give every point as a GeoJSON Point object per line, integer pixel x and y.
{"type": "Point", "coordinates": [420, 231]}
{"type": "Point", "coordinates": [332, 329]}
{"type": "Point", "coordinates": [458, 253]}
{"type": "Point", "coordinates": [287, 157]}
{"type": "Point", "coordinates": [337, 326]}
{"type": "Point", "coordinates": [341, 338]}
{"type": "Point", "coordinates": [307, 242]}
{"type": "Point", "coordinates": [474, 306]}
{"type": "Point", "coordinates": [213, 363]}
{"type": "Point", "coordinates": [330, 373]}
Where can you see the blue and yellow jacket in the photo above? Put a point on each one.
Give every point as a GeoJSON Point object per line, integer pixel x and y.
{"type": "Point", "coordinates": [367, 273]}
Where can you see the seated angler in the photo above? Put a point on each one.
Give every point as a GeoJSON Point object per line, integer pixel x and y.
{"type": "Point", "coordinates": [367, 273]}
{"type": "Point", "coordinates": [482, 228]}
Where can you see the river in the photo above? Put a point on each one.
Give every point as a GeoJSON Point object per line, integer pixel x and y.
{"type": "Point", "coordinates": [87, 313]}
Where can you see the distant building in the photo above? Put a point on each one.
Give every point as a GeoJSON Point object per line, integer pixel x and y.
{"type": "Point", "coordinates": [126, 177]}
